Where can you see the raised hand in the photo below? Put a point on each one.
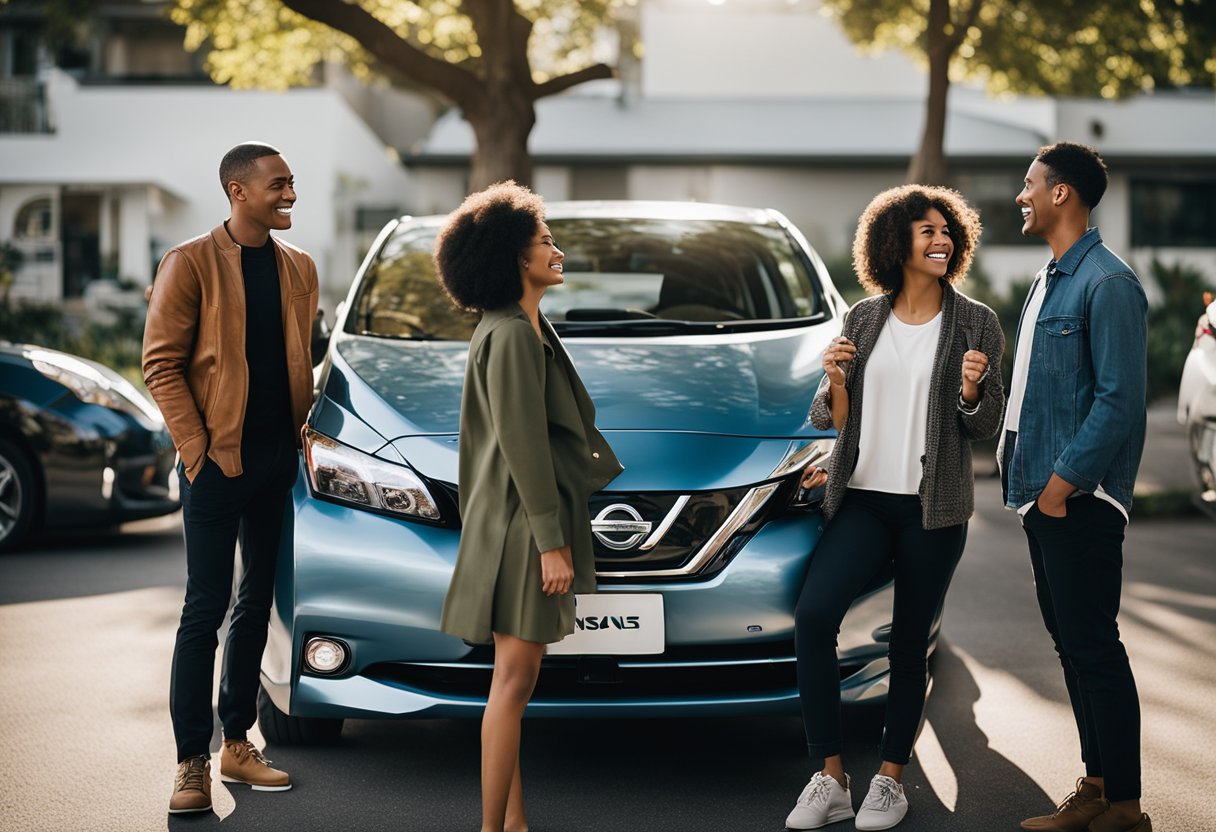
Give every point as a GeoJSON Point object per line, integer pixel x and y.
{"type": "Point", "coordinates": [975, 367]}
{"type": "Point", "coordinates": [836, 357]}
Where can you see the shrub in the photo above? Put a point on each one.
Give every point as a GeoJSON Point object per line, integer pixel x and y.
{"type": "Point", "coordinates": [117, 345]}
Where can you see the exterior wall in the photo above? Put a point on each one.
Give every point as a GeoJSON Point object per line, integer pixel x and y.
{"type": "Point", "coordinates": [762, 48]}
{"type": "Point", "coordinates": [134, 235]}
{"type": "Point", "coordinates": [171, 138]}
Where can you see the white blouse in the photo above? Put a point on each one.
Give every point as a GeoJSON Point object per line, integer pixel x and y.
{"type": "Point", "coordinates": [895, 407]}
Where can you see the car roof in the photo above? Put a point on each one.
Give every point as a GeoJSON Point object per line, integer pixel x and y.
{"type": "Point", "coordinates": [639, 209]}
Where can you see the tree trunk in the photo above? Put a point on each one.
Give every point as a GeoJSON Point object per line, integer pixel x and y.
{"type": "Point", "coordinates": [501, 128]}
{"type": "Point", "coordinates": [928, 166]}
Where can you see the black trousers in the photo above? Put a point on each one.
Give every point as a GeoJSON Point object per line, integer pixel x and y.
{"type": "Point", "coordinates": [871, 530]}
{"type": "Point", "coordinates": [1078, 576]}
{"type": "Point", "coordinates": [217, 511]}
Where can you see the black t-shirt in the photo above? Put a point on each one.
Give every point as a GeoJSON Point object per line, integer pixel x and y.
{"type": "Point", "coordinates": [268, 411]}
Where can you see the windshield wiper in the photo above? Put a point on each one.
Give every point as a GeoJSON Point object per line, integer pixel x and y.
{"type": "Point", "coordinates": [416, 333]}
{"type": "Point", "coordinates": [632, 327]}
{"type": "Point", "coordinates": [585, 329]}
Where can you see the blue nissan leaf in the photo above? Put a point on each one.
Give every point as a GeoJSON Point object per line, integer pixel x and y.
{"type": "Point", "coordinates": [698, 330]}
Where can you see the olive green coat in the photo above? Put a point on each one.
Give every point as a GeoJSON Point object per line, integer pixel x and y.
{"type": "Point", "coordinates": [530, 457]}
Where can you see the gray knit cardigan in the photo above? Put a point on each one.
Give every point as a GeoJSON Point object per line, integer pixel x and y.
{"type": "Point", "coordinates": [946, 489]}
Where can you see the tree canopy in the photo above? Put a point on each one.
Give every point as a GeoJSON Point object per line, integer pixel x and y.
{"type": "Point", "coordinates": [492, 58]}
{"type": "Point", "coordinates": [1109, 48]}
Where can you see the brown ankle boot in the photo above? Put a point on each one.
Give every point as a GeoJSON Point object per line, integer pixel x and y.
{"type": "Point", "coordinates": [1106, 822]}
{"type": "Point", "coordinates": [192, 786]}
{"type": "Point", "coordinates": [1075, 812]}
{"type": "Point", "coordinates": [241, 762]}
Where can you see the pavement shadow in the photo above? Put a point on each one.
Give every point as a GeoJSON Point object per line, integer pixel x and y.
{"type": "Point", "coordinates": [727, 774]}
{"type": "Point", "coordinates": [75, 564]}
{"type": "Point", "coordinates": [992, 791]}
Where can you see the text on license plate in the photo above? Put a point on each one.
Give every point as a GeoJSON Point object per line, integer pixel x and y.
{"type": "Point", "coordinates": [614, 623]}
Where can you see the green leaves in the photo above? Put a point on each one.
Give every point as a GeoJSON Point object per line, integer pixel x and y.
{"type": "Point", "coordinates": [1111, 48]}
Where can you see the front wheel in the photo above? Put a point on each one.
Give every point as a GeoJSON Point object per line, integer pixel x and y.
{"type": "Point", "coordinates": [283, 729]}
{"type": "Point", "coordinates": [1203, 453]}
{"type": "Point", "coordinates": [19, 496]}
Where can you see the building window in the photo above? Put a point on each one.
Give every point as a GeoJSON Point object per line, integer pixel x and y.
{"type": "Point", "coordinates": [33, 221]}
{"type": "Point", "coordinates": [599, 182]}
{"type": "Point", "coordinates": [374, 219]}
{"type": "Point", "coordinates": [992, 195]}
{"type": "Point", "coordinates": [1173, 214]}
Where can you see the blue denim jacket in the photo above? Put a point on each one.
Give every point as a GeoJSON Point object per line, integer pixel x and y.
{"type": "Point", "coordinates": [1084, 410]}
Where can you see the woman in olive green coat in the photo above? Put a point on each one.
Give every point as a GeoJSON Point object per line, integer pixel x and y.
{"type": "Point", "coordinates": [530, 457]}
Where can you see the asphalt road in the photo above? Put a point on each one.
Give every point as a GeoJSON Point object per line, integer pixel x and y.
{"type": "Point", "coordinates": [86, 631]}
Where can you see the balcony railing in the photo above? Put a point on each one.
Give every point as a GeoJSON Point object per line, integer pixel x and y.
{"type": "Point", "coordinates": [23, 106]}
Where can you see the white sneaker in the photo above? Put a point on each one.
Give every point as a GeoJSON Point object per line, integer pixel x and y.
{"type": "Point", "coordinates": [823, 801]}
{"type": "Point", "coordinates": [884, 806]}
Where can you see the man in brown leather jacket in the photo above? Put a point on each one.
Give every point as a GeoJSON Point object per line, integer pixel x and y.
{"type": "Point", "coordinates": [226, 357]}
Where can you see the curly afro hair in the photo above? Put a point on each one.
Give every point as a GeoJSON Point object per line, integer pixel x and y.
{"type": "Point", "coordinates": [477, 250]}
{"type": "Point", "coordinates": [884, 235]}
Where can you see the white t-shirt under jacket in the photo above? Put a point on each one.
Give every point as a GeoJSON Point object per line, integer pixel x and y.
{"type": "Point", "coordinates": [895, 407]}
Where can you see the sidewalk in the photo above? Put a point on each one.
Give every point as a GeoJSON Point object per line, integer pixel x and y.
{"type": "Point", "coordinates": [1166, 464]}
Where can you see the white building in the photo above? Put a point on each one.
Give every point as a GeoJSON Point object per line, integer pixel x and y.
{"type": "Point", "coordinates": [106, 163]}
{"type": "Point", "coordinates": [100, 176]}
{"type": "Point", "coordinates": [766, 103]}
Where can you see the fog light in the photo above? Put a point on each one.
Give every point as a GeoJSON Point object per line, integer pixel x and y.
{"type": "Point", "coordinates": [323, 655]}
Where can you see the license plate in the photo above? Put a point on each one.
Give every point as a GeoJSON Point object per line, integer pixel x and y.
{"type": "Point", "coordinates": [613, 623]}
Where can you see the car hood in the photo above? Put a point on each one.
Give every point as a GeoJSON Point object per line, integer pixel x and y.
{"type": "Point", "coordinates": [743, 384]}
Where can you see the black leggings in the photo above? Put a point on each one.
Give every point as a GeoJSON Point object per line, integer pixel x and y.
{"type": "Point", "coordinates": [870, 530]}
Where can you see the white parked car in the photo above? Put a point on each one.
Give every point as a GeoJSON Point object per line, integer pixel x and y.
{"type": "Point", "coordinates": [1197, 403]}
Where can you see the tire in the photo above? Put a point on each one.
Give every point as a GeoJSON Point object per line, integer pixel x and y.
{"type": "Point", "coordinates": [282, 729]}
{"type": "Point", "coordinates": [1203, 444]}
{"type": "Point", "coordinates": [20, 496]}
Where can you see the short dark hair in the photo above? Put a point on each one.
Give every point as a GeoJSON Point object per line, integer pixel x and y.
{"type": "Point", "coordinates": [884, 234]}
{"type": "Point", "coordinates": [1077, 165]}
{"type": "Point", "coordinates": [237, 163]}
{"type": "Point", "coordinates": [477, 249]}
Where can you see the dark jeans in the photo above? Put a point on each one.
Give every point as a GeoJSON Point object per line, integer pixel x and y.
{"type": "Point", "coordinates": [1078, 576]}
{"type": "Point", "coordinates": [216, 511]}
{"type": "Point", "coordinates": [872, 530]}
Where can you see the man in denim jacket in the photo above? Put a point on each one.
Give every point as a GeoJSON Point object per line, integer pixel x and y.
{"type": "Point", "coordinates": [1074, 432]}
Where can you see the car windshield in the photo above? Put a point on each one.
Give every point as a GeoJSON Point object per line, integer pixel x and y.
{"type": "Point", "coordinates": [626, 277]}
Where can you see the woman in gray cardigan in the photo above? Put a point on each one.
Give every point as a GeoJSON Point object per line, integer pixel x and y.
{"type": "Point", "coordinates": [925, 360]}
{"type": "Point", "coordinates": [530, 457]}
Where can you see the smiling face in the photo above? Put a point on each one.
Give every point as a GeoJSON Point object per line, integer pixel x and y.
{"type": "Point", "coordinates": [1038, 201]}
{"type": "Point", "coordinates": [931, 248]}
{"type": "Point", "coordinates": [540, 264]}
{"type": "Point", "coordinates": [266, 196]}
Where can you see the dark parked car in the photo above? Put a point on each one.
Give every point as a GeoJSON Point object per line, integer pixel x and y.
{"type": "Point", "coordinates": [79, 446]}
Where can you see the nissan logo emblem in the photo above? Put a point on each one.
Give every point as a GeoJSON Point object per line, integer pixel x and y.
{"type": "Point", "coordinates": [612, 529]}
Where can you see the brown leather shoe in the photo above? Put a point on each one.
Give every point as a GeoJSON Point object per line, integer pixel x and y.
{"type": "Point", "coordinates": [192, 786]}
{"type": "Point", "coordinates": [1106, 822]}
{"type": "Point", "coordinates": [241, 762]}
{"type": "Point", "coordinates": [1075, 812]}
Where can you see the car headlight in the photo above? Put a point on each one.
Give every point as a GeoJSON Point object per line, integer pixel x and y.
{"type": "Point", "coordinates": [95, 384]}
{"type": "Point", "coordinates": [339, 472]}
{"type": "Point", "coordinates": [818, 451]}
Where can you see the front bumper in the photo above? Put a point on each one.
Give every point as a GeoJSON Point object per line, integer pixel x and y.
{"type": "Point", "coordinates": [378, 584]}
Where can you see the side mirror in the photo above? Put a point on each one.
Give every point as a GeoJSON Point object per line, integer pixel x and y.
{"type": "Point", "coordinates": [320, 338]}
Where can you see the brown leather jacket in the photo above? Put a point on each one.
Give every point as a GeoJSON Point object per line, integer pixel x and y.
{"type": "Point", "coordinates": [194, 345]}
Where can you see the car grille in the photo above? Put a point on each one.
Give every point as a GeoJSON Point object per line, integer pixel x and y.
{"type": "Point", "coordinates": [639, 534]}
{"type": "Point", "coordinates": [693, 524]}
